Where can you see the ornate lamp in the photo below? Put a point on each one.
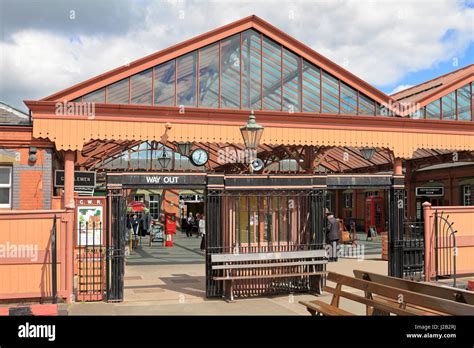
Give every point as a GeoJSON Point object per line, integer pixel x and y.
{"type": "Point", "coordinates": [251, 132]}
{"type": "Point", "coordinates": [164, 160]}
{"type": "Point", "coordinates": [367, 153]}
{"type": "Point", "coordinates": [184, 148]}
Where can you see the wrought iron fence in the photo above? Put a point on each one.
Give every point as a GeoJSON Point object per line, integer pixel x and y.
{"type": "Point", "coordinates": [241, 222]}
{"type": "Point", "coordinates": [410, 250]}
{"type": "Point", "coordinates": [445, 247]}
{"type": "Point", "coordinates": [90, 257]}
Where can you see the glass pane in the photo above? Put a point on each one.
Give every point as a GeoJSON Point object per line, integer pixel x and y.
{"type": "Point", "coordinates": [449, 106]}
{"type": "Point", "coordinates": [5, 175]}
{"type": "Point", "coordinates": [330, 94]}
{"type": "Point", "coordinates": [271, 75]}
{"type": "Point", "coordinates": [94, 97]}
{"type": "Point", "coordinates": [366, 105]}
{"type": "Point", "coordinates": [164, 83]}
{"type": "Point", "coordinates": [418, 114]}
{"type": "Point", "coordinates": [118, 93]}
{"type": "Point", "coordinates": [251, 70]}
{"type": "Point", "coordinates": [186, 66]}
{"type": "Point", "coordinates": [4, 195]}
{"type": "Point", "coordinates": [348, 99]}
{"type": "Point", "coordinates": [464, 103]}
{"type": "Point", "coordinates": [141, 87]}
{"type": "Point", "coordinates": [382, 110]}
{"type": "Point", "coordinates": [433, 110]}
{"type": "Point", "coordinates": [209, 76]}
{"type": "Point", "coordinates": [311, 88]}
{"type": "Point", "coordinates": [230, 65]}
{"type": "Point", "coordinates": [291, 81]}
{"type": "Point", "coordinates": [77, 100]}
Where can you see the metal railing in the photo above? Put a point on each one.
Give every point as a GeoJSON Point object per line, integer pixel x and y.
{"type": "Point", "coordinates": [445, 247]}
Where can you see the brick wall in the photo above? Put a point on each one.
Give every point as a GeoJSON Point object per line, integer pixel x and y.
{"type": "Point", "coordinates": [31, 182]}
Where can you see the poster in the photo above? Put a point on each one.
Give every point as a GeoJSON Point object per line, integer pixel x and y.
{"type": "Point", "coordinates": [90, 225]}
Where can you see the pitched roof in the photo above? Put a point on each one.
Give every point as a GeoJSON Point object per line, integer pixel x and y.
{"type": "Point", "coordinates": [251, 22]}
{"type": "Point", "coordinates": [435, 87]}
{"type": "Point", "coordinates": [11, 116]}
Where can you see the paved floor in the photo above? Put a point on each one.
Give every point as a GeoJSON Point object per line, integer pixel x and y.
{"type": "Point", "coordinates": [171, 281]}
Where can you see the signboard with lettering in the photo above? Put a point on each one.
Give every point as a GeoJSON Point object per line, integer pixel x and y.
{"type": "Point", "coordinates": [160, 180]}
{"type": "Point", "coordinates": [191, 198]}
{"type": "Point", "coordinates": [430, 191]}
{"type": "Point", "coordinates": [90, 221]}
{"type": "Point", "coordinates": [81, 179]}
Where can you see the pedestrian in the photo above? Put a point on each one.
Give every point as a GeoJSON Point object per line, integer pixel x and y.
{"type": "Point", "coordinates": [202, 232]}
{"type": "Point", "coordinates": [190, 220]}
{"type": "Point", "coordinates": [135, 225]}
{"type": "Point", "coordinates": [332, 235]}
{"type": "Point", "coordinates": [196, 225]}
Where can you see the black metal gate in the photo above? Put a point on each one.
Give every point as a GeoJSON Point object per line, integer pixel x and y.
{"type": "Point", "coordinates": [445, 248]}
{"type": "Point", "coordinates": [115, 245]}
{"type": "Point", "coordinates": [289, 220]}
{"type": "Point", "coordinates": [407, 246]}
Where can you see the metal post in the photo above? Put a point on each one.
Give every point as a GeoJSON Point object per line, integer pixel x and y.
{"type": "Point", "coordinates": [54, 262]}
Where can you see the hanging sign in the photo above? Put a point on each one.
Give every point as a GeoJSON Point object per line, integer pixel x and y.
{"type": "Point", "coordinates": [430, 191]}
{"type": "Point", "coordinates": [81, 179]}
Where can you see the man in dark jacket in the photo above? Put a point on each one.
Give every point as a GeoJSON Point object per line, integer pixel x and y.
{"type": "Point", "coordinates": [332, 235]}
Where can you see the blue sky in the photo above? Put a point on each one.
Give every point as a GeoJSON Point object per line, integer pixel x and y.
{"type": "Point", "coordinates": [49, 45]}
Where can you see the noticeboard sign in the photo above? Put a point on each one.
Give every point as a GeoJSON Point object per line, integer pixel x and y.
{"type": "Point", "coordinates": [81, 179]}
{"type": "Point", "coordinates": [430, 191]}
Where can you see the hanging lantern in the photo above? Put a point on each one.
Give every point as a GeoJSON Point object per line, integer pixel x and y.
{"type": "Point", "coordinates": [367, 153]}
{"type": "Point", "coordinates": [164, 160]}
{"type": "Point", "coordinates": [251, 132]}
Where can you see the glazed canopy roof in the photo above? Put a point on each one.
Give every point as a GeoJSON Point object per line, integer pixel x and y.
{"type": "Point", "coordinates": [205, 86]}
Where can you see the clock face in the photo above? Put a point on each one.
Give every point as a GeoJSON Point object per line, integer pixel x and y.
{"type": "Point", "coordinates": [257, 164]}
{"type": "Point", "coordinates": [199, 157]}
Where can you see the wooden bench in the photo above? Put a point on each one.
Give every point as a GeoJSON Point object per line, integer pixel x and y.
{"type": "Point", "coordinates": [388, 300]}
{"type": "Point", "coordinates": [267, 265]}
{"type": "Point", "coordinates": [457, 295]}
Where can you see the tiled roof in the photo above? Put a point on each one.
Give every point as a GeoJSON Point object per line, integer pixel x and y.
{"type": "Point", "coordinates": [417, 92]}
{"type": "Point", "coordinates": [11, 116]}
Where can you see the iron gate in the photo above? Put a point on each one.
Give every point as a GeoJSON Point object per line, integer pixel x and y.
{"type": "Point", "coordinates": [445, 247]}
{"type": "Point", "coordinates": [115, 245]}
{"type": "Point", "coordinates": [264, 221]}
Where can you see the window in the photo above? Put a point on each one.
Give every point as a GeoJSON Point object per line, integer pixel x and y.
{"type": "Point", "coordinates": [464, 103]}
{"type": "Point", "coordinates": [119, 92]}
{"type": "Point", "coordinates": [433, 110]}
{"type": "Point", "coordinates": [330, 94]}
{"type": "Point", "coordinates": [291, 81]}
{"type": "Point", "coordinates": [271, 75]}
{"type": "Point", "coordinates": [139, 198]}
{"type": "Point", "coordinates": [209, 76]}
{"type": "Point", "coordinates": [230, 76]}
{"type": "Point", "coordinates": [164, 83]}
{"type": "Point", "coordinates": [155, 206]}
{"type": "Point", "coordinates": [251, 70]}
{"type": "Point", "coordinates": [311, 88]}
{"type": "Point", "coordinates": [348, 99]}
{"type": "Point", "coordinates": [348, 200]}
{"type": "Point", "coordinates": [95, 97]}
{"type": "Point", "coordinates": [187, 75]}
{"type": "Point", "coordinates": [467, 195]}
{"type": "Point", "coordinates": [5, 187]}
{"type": "Point", "coordinates": [449, 106]}
{"type": "Point", "coordinates": [141, 92]}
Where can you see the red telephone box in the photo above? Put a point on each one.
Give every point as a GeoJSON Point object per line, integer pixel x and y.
{"type": "Point", "coordinates": [375, 213]}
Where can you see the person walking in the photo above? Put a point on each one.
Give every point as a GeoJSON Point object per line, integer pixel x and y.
{"type": "Point", "coordinates": [189, 230]}
{"type": "Point", "coordinates": [135, 225]}
{"type": "Point", "coordinates": [332, 235]}
{"type": "Point", "coordinates": [202, 232]}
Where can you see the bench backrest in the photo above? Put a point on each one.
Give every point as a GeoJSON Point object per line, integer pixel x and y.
{"type": "Point", "coordinates": [284, 255]}
{"type": "Point", "coordinates": [408, 297]}
{"type": "Point", "coordinates": [457, 295]}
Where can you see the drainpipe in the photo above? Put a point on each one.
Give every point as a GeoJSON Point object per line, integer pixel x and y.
{"type": "Point", "coordinates": [427, 226]}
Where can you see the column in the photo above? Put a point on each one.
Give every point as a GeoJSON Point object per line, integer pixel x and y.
{"type": "Point", "coordinates": [69, 160]}
{"type": "Point", "coordinates": [396, 220]}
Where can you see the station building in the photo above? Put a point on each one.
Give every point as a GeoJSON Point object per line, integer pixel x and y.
{"type": "Point", "coordinates": [319, 138]}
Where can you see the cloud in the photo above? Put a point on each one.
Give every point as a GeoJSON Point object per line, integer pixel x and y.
{"type": "Point", "coordinates": [379, 41]}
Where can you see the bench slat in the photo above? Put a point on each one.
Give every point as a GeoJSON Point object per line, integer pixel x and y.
{"type": "Point", "coordinates": [324, 308]}
{"type": "Point", "coordinates": [303, 254]}
{"type": "Point", "coordinates": [392, 308]}
{"type": "Point", "coordinates": [268, 265]}
{"type": "Point", "coordinates": [269, 276]}
{"type": "Point", "coordinates": [409, 297]}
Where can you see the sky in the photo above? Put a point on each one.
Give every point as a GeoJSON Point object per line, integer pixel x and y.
{"type": "Point", "coordinates": [49, 45]}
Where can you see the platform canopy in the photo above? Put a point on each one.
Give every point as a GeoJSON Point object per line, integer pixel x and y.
{"type": "Point", "coordinates": [202, 90]}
